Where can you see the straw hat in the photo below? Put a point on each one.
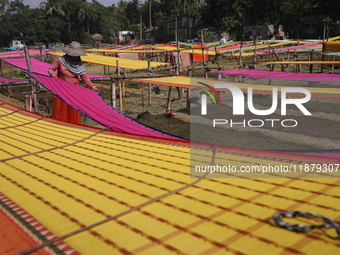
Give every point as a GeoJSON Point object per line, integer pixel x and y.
{"type": "Point", "coordinates": [74, 49]}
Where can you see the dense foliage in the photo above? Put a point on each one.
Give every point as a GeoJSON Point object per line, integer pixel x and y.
{"type": "Point", "coordinates": [67, 20]}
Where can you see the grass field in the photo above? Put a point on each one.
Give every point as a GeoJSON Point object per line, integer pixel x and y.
{"type": "Point", "coordinates": [316, 132]}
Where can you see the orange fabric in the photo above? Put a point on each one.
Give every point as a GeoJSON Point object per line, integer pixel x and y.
{"type": "Point", "coordinates": [61, 110]}
{"type": "Point", "coordinates": [13, 239]}
{"type": "Point", "coordinates": [330, 46]}
{"type": "Point", "coordinates": [199, 57]}
{"type": "Point", "coordinates": [64, 112]}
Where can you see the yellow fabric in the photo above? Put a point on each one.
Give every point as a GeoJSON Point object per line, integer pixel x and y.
{"type": "Point", "coordinates": [165, 48]}
{"type": "Point", "coordinates": [185, 81]}
{"type": "Point", "coordinates": [86, 182]}
{"type": "Point", "coordinates": [123, 51]}
{"type": "Point", "coordinates": [304, 62]}
{"type": "Point", "coordinates": [334, 38]}
{"type": "Point", "coordinates": [112, 61]}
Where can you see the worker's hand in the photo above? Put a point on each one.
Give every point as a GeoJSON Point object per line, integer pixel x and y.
{"type": "Point", "coordinates": [95, 89]}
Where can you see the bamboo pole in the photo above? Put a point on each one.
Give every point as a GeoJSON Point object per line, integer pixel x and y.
{"type": "Point", "coordinates": [188, 96]}
{"type": "Point", "coordinates": [119, 87]}
{"type": "Point", "coordinates": [255, 53]}
{"type": "Point", "coordinates": [124, 96]}
{"type": "Point", "coordinates": [40, 53]}
{"type": "Point", "coordinates": [283, 66]}
{"type": "Point", "coordinates": [240, 55]}
{"type": "Point", "coordinates": [203, 53]}
{"type": "Point", "coordinates": [150, 89]}
{"type": "Point", "coordinates": [142, 87]}
{"type": "Point", "coordinates": [168, 107]}
{"type": "Point", "coordinates": [311, 59]}
{"type": "Point", "coordinates": [32, 82]}
{"type": "Point", "coordinates": [104, 66]}
{"type": "Point", "coordinates": [113, 93]}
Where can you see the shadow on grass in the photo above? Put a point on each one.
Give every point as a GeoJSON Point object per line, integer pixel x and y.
{"type": "Point", "coordinates": [173, 125]}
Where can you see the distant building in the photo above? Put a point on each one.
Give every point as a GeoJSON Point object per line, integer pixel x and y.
{"type": "Point", "coordinates": [185, 30]}
{"type": "Point", "coordinates": [149, 35]}
{"type": "Point", "coordinates": [18, 44]}
{"type": "Point", "coordinates": [97, 39]}
{"type": "Point", "coordinates": [265, 32]}
{"type": "Point", "coordinates": [126, 35]}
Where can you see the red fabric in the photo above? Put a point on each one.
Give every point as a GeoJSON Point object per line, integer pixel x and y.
{"type": "Point", "coordinates": [61, 110]}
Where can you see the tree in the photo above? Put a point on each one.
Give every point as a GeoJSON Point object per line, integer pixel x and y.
{"type": "Point", "coordinates": [53, 7]}
{"type": "Point", "coordinates": [293, 14]}
{"type": "Point", "coordinates": [74, 31]}
{"type": "Point", "coordinates": [3, 4]}
{"type": "Point", "coordinates": [326, 22]}
{"type": "Point", "coordinates": [88, 13]}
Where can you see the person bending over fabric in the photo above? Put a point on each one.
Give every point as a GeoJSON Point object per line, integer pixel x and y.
{"type": "Point", "coordinates": [69, 67]}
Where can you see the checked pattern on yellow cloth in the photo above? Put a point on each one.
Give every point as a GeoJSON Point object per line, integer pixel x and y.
{"type": "Point", "coordinates": [112, 61]}
{"type": "Point", "coordinates": [193, 82]}
{"type": "Point", "coordinates": [69, 177]}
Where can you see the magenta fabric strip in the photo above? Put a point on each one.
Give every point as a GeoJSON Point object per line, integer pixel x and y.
{"type": "Point", "coordinates": [91, 104]}
{"type": "Point", "coordinates": [38, 66]}
{"type": "Point", "coordinates": [4, 79]}
{"type": "Point", "coordinates": [21, 53]}
{"type": "Point", "coordinates": [281, 75]}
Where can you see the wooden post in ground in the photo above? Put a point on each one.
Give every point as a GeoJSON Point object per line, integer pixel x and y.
{"type": "Point", "coordinates": [299, 66]}
{"type": "Point", "coordinates": [104, 67]}
{"type": "Point", "coordinates": [188, 97]}
{"type": "Point", "coordinates": [240, 55]}
{"type": "Point", "coordinates": [273, 65]}
{"type": "Point", "coordinates": [113, 93]}
{"type": "Point", "coordinates": [40, 53]}
{"type": "Point", "coordinates": [124, 96]}
{"type": "Point", "coordinates": [142, 88]}
{"type": "Point", "coordinates": [311, 54]}
{"type": "Point", "coordinates": [190, 71]}
{"type": "Point", "coordinates": [218, 64]}
{"type": "Point", "coordinates": [283, 69]}
{"type": "Point", "coordinates": [27, 102]}
{"type": "Point", "coordinates": [203, 55]}
{"type": "Point", "coordinates": [32, 82]}
{"type": "Point", "coordinates": [119, 87]}
{"type": "Point", "coordinates": [120, 95]}
{"type": "Point", "coordinates": [168, 106]}
{"type": "Point", "coordinates": [150, 89]}
{"type": "Point", "coordinates": [254, 60]}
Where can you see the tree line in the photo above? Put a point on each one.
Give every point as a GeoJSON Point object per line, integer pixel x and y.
{"type": "Point", "coordinates": [67, 20]}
